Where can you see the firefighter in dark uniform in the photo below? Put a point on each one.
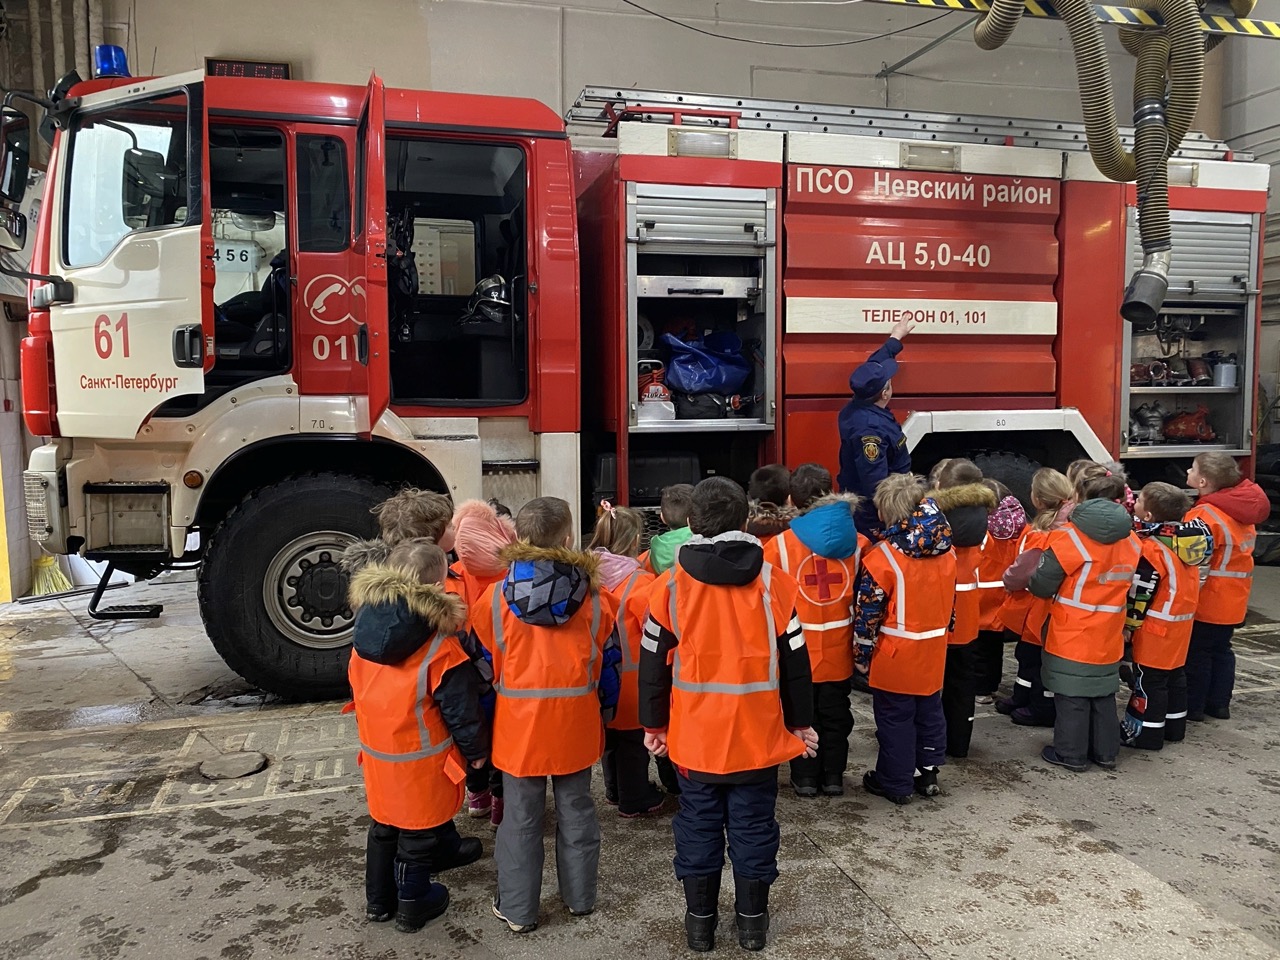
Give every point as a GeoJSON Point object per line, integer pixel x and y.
{"type": "Point", "coordinates": [872, 445]}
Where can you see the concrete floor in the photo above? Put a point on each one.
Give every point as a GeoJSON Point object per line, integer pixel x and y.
{"type": "Point", "coordinates": [115, 846]}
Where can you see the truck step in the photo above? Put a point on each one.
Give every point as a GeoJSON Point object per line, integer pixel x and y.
{"type": "Point", "coordinates": [128, 611]}
{"type": "Point", "coordinates": [124, 611]}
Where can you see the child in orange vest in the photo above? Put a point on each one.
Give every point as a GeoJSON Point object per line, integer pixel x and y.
{"type": "Point", "coordinates": [769, 493]}
{"type": "Point", "coordinates": [1087, 569]}
{"type": "Point", "coordinates": [551, 631]}
{"type": "Point", "coordinates": [677, 500]}
{"type": "Point", "coordinates": [417, 703]}
{"type": "Point", "coordinates": [821, 550]}
{"type": "Point", "coordinates": [1005, 528]}
{"type": "Point", "coordinates": [410, 514]}
{"type": "Point", "coordinates": [725, 689]}
{"type": "Point", "coordinates": [1025, 615]}
{"type": "Point", "coordinates": [480, 534]}
{"type": "Point", "coordinates": [625, 763]}
{"type": "Point", "coordinates": [967, 503]}
{"type": "Point", "coordinates": [1162, 604]}
{"type": "Point", "coordinates": [1231, 506]}
{"type": "Point", "coordinates": [905, 609]}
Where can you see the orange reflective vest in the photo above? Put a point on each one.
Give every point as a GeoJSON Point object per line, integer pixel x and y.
{"type": "Point", "coordinates": [1165, 634]}
{"type": "Point", "coordinates": [1022, 612]}
{"type": "Point", "coordinates": [1086, 620]}
{"type": "Point", "coordinates": [1224, 597]}
{"type": "Point", "coordinates": [469, 586]}
{"type": "Point", "coordinates": [824, 603]}
{"type": "Point", "coordinates": [546, 717]}
{"type": "Point", "coordinates": [968, 616]}
{"type": "Point", "coordinates": [996, 557]}
{"type": "Point", "coordinates": [726, 709]}
{"type": "Point", "coordinates": [911, 653]}
{"type": "Point", "coordinates": [413, 774]}
{"type": "Point", "coordinates": [631, 596]}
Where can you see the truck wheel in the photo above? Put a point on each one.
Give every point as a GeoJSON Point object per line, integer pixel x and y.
{"type": "Point", "coordinates": [272, 595]}
{"type": "Point", "coordinates": [1012, 469]}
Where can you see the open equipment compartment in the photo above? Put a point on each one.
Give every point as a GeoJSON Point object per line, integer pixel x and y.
{"type": "Point", "coordinates": [680, 230]}
{"type": "Point", "coordinates": [701, 261]}
{"type": "Point", "coordinates": [1189, 374]}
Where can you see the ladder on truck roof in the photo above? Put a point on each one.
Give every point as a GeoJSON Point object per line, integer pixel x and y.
{"type": "Point", "coordinates": [609, 106]}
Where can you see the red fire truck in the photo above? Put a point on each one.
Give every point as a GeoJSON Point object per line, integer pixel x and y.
{"type": "Point", "coordinates": [260, 306]}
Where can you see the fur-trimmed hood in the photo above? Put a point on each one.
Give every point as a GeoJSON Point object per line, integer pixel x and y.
{"type": "Point", "coordinates": [767, 519]}
{"type": "Point", "coordinates": [965, 495]}
{"type": "Point", "coordinates": [827, 526]}
{"type": "Point", "coordinates": [967, 508]}
{"type": "Point", "coordinates": [362, 553]}
{"type": "Point", "coordinates": [545, 586]}
{"type": "Point", "coordinates": [396, 613]}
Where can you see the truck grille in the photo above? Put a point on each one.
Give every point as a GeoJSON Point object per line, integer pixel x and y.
{"type": "Point", "coordinates": [37, 487]}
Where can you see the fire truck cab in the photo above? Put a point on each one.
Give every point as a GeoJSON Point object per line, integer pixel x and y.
{"type": "Point", "coordinates": [269, 304]}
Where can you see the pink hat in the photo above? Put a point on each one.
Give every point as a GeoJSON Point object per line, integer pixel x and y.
{"type": "Point", "coordinates": [479, 534]}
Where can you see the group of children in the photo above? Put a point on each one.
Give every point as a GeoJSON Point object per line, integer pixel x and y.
{"type": "Point", "coordinates": [733, 645]}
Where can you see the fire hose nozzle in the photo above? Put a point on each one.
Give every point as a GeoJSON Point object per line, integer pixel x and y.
{"type": "Point", "coordinates": [1147, 288]}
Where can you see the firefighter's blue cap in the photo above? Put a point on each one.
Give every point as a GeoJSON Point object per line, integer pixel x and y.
{"type": "Point", "coordinates": [869, 379]}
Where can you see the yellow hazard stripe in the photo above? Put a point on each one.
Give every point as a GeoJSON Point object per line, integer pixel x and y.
{"type": "Point", "coordinates": [1118, 15]}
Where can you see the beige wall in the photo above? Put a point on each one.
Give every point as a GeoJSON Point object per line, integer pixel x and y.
{"type": "Point", "coordinates": [550, 50]}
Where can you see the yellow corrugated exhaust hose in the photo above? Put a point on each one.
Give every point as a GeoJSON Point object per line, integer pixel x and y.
{"type": "Point", "coordinates": [1166, 94]}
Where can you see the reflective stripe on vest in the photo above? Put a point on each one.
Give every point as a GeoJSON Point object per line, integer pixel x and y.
{"type": "Point", "coordinates": [430, 749]}
{"type": "Point", "coordinates": [901, 629]}
{"type": "Point", "coordinates": [1075, 601]}
{"type": "Point", "coordinates": [1171, 567]}
{"type": "Point", "coordinates": [733, 689]}
{"type": "Point", "coordinates": [628, 665]}
{"type": "Point", "coordinates": [1227, 548]}
{"type": "Point", "coordinates": [544, 693]}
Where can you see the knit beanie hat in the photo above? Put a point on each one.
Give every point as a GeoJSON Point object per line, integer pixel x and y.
{"type": "Point", "coordinates": [479, 534]}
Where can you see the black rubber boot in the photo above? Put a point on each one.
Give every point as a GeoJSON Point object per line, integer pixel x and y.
{"type": "Point", "coordinates": [413, 915]}
{"type": "Point", "coordinates": [702, 911]}
{"type": "Point", "coordinates": [380, 877]}
{"type": "Point", "coordinates": [752, 906]}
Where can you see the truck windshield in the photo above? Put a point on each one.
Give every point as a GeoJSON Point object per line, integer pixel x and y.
{"type": "Point", "coordinates": [127, 171]}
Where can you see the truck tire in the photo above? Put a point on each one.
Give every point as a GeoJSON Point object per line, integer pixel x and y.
{"type": "Point", "coordinates": [1012, 469]}
{"type": "Point", "coordinates": [272, 596]}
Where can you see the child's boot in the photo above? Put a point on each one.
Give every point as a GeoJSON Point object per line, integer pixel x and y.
{"type": "Point", "coordinates": [495, 813]}
{"type": "Point", "coordinates": [926, 782]}
{"type": "Point", "coordinates": [380, 880]}
{"type": "Point", "coordinates": [479, 804]}
{"type": "Point", "coordinates": [752, 905]}
{"type": "Point", "coordinates": [420, 900]}
{"type": "Point", "coordinates": [702, 911]}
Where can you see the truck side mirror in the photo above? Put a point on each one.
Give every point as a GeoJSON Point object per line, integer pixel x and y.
{"type": "Point", "coordinates": [15, 158]}
{"type": "Point", "coordinates": [13, 230]}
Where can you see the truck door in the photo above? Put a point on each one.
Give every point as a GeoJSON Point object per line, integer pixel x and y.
{"type": "Point", "coordinates": [132, 236]}
{"type": "Point", "coordinates": [370, 242]}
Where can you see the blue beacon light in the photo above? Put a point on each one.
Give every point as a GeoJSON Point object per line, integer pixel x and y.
{"type": "Point", "coordinates": [109, 61]}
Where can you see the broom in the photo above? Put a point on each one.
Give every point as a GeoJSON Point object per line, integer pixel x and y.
{"type": "Point", "coordinates": [47, 577]}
